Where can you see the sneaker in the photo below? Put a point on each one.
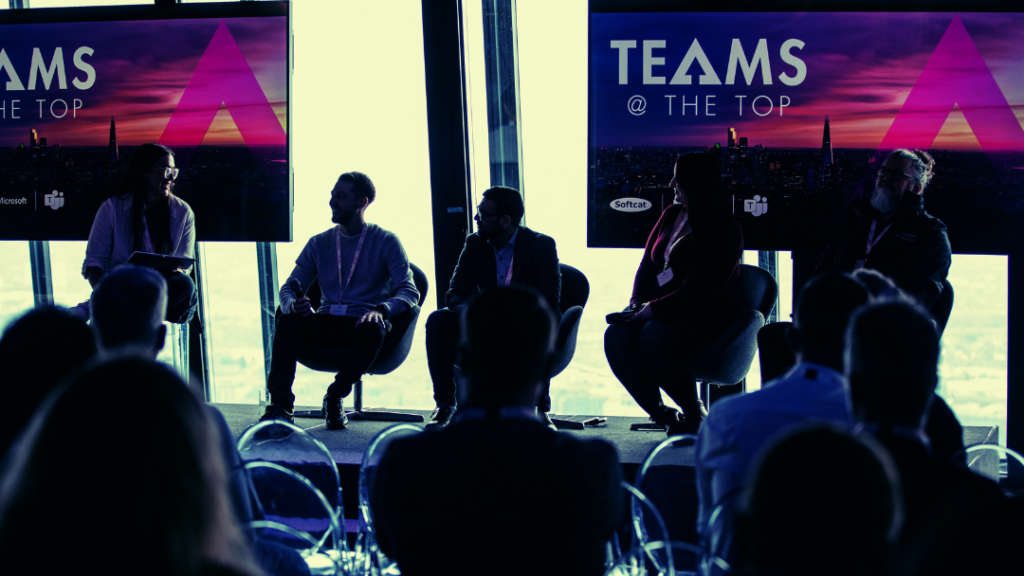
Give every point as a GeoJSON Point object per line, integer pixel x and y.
{"type": "Point", "coordinates": [334, 412]}
{"type": "Point", "coordinates": [441, 417]}
{"type": "Point", "coordinates": [546, 420]}
{"type": "Point", "coordinates": [277, 412]}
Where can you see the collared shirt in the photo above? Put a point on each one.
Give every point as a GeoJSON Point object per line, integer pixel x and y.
{"type": "Point", "coordinates": [110, 239]}
{"type": "Point", "coordinates": [739, 427]}
{"type": "Point", "coordinates": [503, 257]}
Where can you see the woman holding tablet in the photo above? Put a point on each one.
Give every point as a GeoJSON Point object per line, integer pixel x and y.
{"type": "Point", "coordinates": [144, 215]}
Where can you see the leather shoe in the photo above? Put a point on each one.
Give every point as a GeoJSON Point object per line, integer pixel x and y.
{"type": "Point", "coordinates": [277, 412]}
{"type": "Point", "coordinates": [441, 417]}
{"type": "Point", "coordinates": [692, 418]}
{"type": "Point", "coordinates": [334, 412]}
{"type": "Point", "coordinates": [546, 420]}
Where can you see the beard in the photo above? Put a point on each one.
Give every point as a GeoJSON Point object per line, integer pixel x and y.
{"type": "Point", "coordinates": [339, 217]}
{"type": "Point", "coordinates": [885, 199]}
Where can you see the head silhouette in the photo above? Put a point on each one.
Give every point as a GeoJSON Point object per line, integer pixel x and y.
{"type": "Point", "coordinates": [823, 311]}
{"type": "Point", "coordinates": [891, 361]}
{"type": "Point", "coordinates": [37, 351]}
{"type": "Point", "coordinates": [507, 340]}
{"type": "Point", "coordinates": [792, 522]}
{"type": "Point", "coordinates": [162, 493]}
{"type": "Point", "coordinates": [128, 309]}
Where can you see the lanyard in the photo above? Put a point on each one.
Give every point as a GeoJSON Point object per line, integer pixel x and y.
{"type": "Point", "coordinates": [508, 277]}
{"type": "Point", "coordinates": [674, 239]}
{"type": "Point", "coordinates": [355, 259]}
{"type": "Point", "coordinates": [872, 239]}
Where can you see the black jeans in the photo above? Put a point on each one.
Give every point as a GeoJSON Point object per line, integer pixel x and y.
{"type": "Point", "coordinates": [442, 346]}
{"type": "Point", "coordinates": [182, 297]}
{"type": "Point", "coordinates": [297, 333]}
{"type": "Point", "coordinates": [648, 357]}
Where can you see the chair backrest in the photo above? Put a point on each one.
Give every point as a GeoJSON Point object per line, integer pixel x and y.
{"type": "Point", "coordinates": [297, 514]}
{"type": "Point", "coordinates": [757, 289]}
{"type": "Point", "coordinates": [942, 307]}
{"type": "Point", "coordinates": [575, 288]}
{"type": "Point", "coordinates": [666, 476]}
{"type": "Point", "coordinates": [292, 447]}
{"type": "Point", "coordinates": [987, 460]}
{"type": "Point", "coordinates": [367, 547]}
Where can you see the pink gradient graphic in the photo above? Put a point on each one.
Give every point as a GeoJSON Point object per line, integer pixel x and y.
{"type": "Point", "coordinates": [223, 76]}
{"type": "Point", "coordinates": [955, 75]}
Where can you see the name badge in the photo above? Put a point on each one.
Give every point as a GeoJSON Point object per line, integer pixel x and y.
{"type": "Point", "coordinates": [665, 277]}
{"type": "Point", "coordinates": [339, 309]}
{"type": "Point", "coordinates": [858, 264]}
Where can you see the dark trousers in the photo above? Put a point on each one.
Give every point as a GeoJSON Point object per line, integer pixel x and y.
{"type": "Point", "coordinates": [296, 333]}
{"type": "Point", "coordinates": [182, 297]}
{"type": "Point", "coordinates": [648, 357]}
{"type": "Point", "coordinates": [442, 345]}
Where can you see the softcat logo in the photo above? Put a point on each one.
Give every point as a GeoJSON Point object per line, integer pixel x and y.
{"type": "Point", "coordinates": [54, 200]}
{"type": "Point", "coordinates": [757, 206]}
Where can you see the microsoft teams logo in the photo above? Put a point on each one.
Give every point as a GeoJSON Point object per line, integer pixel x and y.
{"type": "Point", "coordinates": [54, 200]}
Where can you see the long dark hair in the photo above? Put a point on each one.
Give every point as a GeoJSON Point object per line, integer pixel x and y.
{"type": "Point", "coordinates": [162, 496]}
{"type": "Point", "coordinates": [699, 176]}
{"type": "Point", "coordinates": [133, 186]}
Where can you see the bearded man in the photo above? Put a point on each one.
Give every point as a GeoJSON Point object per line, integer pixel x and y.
{"type": "Point", "coordinates": [892, 233]}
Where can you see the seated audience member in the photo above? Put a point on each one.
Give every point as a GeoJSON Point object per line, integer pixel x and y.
{"type": "Point", "coordinates": [683, 296]}
{"type": "Point", "coordinates": [144, 215]}
{"type": "Point", "coordinates": [37, 351]}
{"type": "Point", "coordinates": [496, 490]}
{"type": "Point", "coordinates": [147, 499]}
{"type": "Point", "coordinates": [500, 253]}
{"type": "Point", "coordinates": [942, 427]}
{"type": "Point", "coordinates": [820, 502]}
{"type": "Point", "coordinates": [892, 353]}
{"type": "Point", "coordinates": [365, 279]}
{"type": "Point", "coordinates": [739, 427]}
{"type": "Point", "coordinates": [127, 316]}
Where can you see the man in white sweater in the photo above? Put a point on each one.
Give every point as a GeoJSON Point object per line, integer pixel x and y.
{"type": "Point", "coordinates": [365, 279]}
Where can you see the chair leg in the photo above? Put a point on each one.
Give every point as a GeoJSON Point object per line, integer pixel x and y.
{"type": "Point", "coordinates": [377, 415]}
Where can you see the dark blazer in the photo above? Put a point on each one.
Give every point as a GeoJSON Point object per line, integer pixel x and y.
{"type": "Point", "coordinates": [914, 253]}
{"type": "Point", "coordinates": [496, 496]}
{"type": "Point", "coordinates": [535, 264]}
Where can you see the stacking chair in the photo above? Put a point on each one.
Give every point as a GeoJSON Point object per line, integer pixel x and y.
{"type": "Point", "coordinates": [368, 557]}
{"type": "Point", "coordinates": [287, 446]}
{"type": "Point", "coordinates": [292, 511]}
{"type": "Point", "coordinates": [987, 460]}
{"type": "Point", "coordinates": [666, 476]}
{"type": "Point", "coordinates": [392, 353]}
{"type": "Point", "coordinates": [660, 557]}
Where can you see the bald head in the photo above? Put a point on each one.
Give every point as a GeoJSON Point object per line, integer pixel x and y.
{"type": "Point", "coordinates": [128, 309]}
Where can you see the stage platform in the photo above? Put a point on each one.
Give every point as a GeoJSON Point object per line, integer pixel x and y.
{"type": "Point", "coordinates": [347, 445]}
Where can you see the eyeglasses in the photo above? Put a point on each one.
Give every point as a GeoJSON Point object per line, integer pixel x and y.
{"type": "Point", "coordinates": [480, 214]}
{"type": "Point", "coordinates": [894, 175]}
{"type": "Point", "coordinates": [170, 173]}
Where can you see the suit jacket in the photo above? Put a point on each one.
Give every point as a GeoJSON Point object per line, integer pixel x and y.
{"type": "Point", "coordinates": [494, 495]}
{"type": "Point", "coordinates": [535, 264]}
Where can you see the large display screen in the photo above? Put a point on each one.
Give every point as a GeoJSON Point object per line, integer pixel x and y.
{"type": "Point", "coordinates": [801, 109]}
{"type": "Point", "coordinates": [82, 88]}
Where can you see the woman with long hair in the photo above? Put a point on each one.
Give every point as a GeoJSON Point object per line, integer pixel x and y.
{"type": "Point", "coordinates": [682, 296]}
{"type": "Point", "coordinates": [112, 487]}
{"type": "Point", "coordinates": [144, 215]}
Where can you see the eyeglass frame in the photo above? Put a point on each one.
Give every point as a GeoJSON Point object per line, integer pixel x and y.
{"type": "Point", "coordinates": [480, 215]}
{"type": "Point", "coordinates": [173, 173]}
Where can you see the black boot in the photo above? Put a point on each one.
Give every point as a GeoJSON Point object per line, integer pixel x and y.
{"type": "Point", "coordinates": [693, 415]}
{"type": "Point", "coordinates": [334, 411]}
{"type": "Point", "coordinates": [671, 419]}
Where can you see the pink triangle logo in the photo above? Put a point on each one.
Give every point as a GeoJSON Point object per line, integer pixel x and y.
{"type": "Point", "coordinates": [223, 77]}
{"type": "Point", "coordinates": [955, 74]}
